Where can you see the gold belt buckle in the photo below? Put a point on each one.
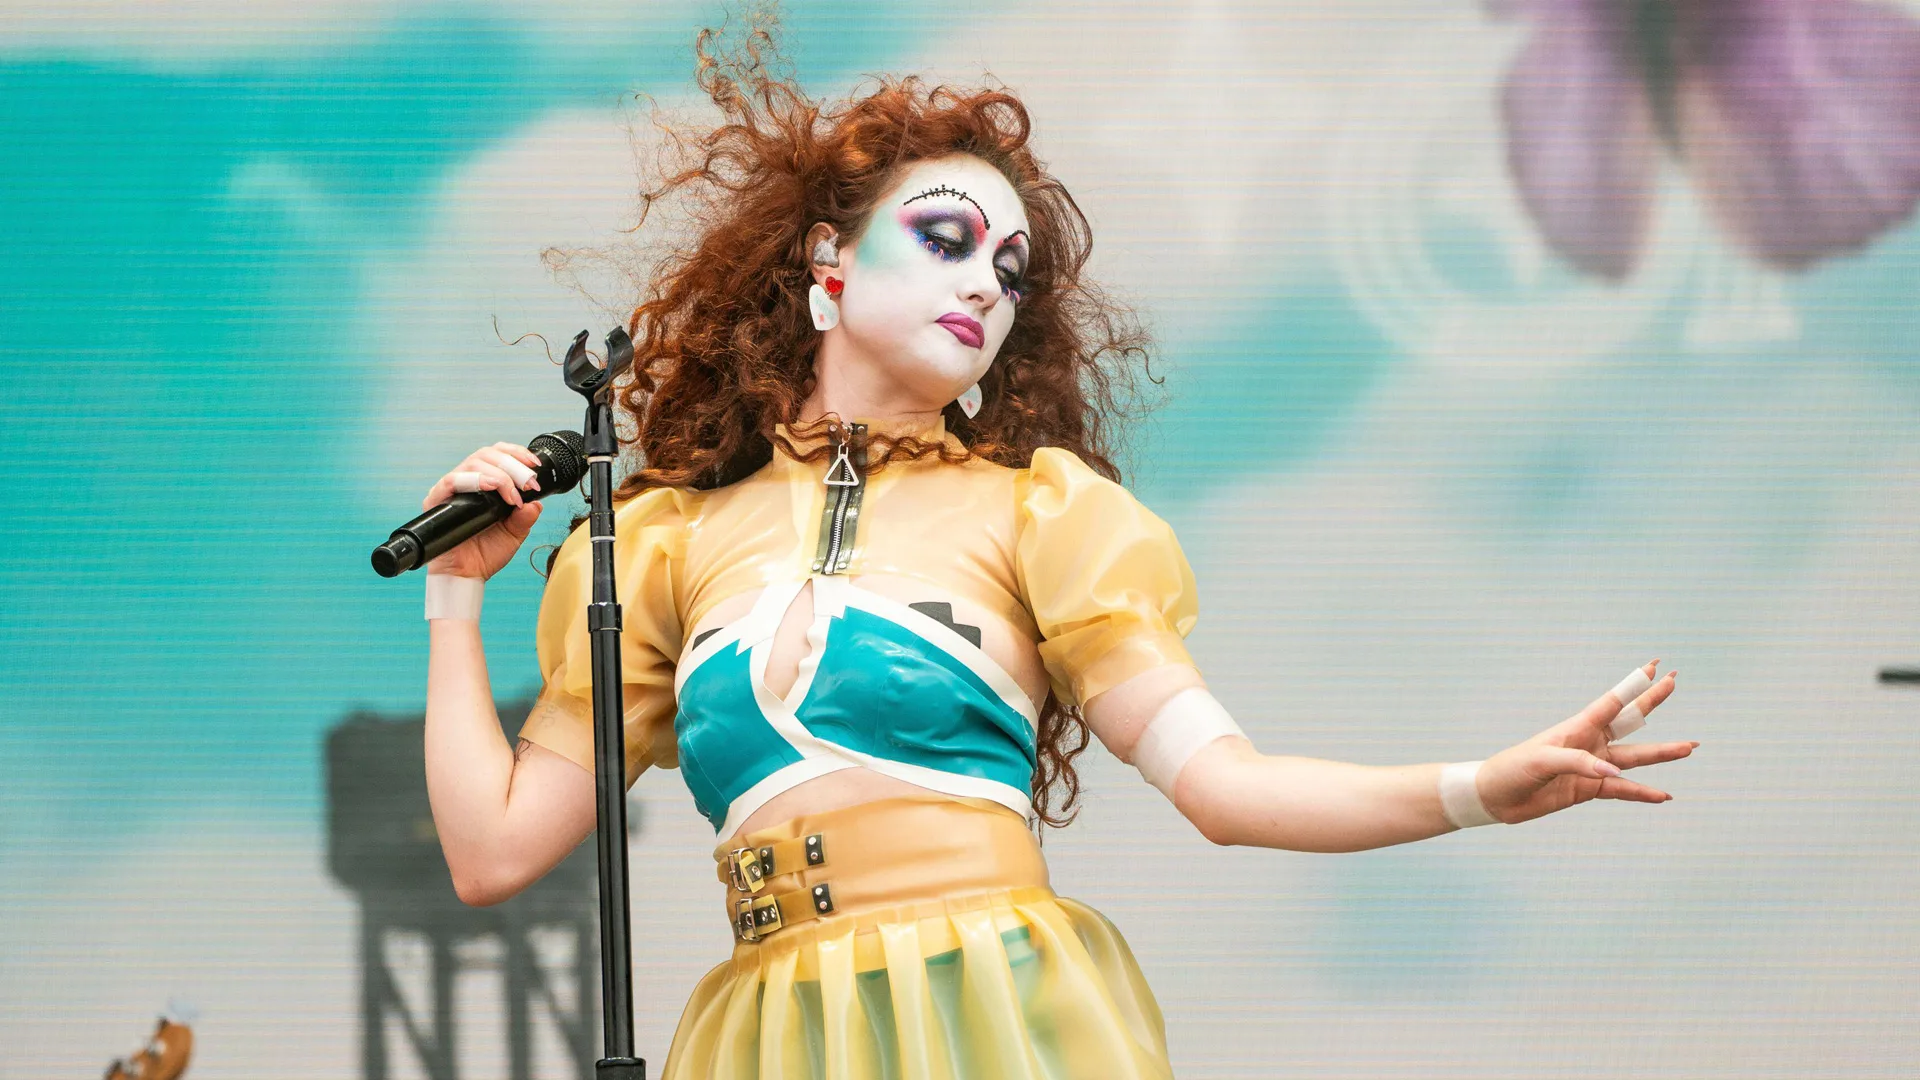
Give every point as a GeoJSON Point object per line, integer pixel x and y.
{"type": "Point", "coordinates": [754, 919]}
{"type": "Point", "coordinates": [746, 870]}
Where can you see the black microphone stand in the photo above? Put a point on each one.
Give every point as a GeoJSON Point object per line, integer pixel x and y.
{"type": "Point", "coordinates": [595, 383]}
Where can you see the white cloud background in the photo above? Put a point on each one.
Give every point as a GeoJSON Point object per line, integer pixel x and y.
{"type": "Point", "coordinates": [1516, 514]}
{"type": "Point", "coordinates": [567, 182]}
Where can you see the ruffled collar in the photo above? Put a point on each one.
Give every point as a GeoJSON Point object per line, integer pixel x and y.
{"type": "Point", "coordinates": [933, 432]}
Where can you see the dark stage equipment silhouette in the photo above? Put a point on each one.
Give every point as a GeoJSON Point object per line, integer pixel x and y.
{"type": "Point", "coordinates": [381, 844]}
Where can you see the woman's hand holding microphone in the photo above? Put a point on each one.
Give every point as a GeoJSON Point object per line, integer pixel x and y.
{"type": "Point", "coordinates": [456, 580]}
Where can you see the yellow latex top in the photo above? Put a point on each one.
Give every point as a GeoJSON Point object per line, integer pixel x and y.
{"type": "Point", "coordinates": [1069, 560]}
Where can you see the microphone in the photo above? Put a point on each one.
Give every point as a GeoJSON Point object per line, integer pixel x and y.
{"type": "Point", "coordinates": [563, 461]}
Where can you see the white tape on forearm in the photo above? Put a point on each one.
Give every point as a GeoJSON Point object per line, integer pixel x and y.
{"type": "Point", "coordinates": [1460, 796]}
{"type": "Point", "coordinates": [451, 596]}
{"type": "Point", "coordinates": [1188, 721]}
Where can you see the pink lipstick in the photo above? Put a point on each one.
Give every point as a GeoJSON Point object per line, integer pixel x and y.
{"type": "Point", "coordinates": [970, 333]}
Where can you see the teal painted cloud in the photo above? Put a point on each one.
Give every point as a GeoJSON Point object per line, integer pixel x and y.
{"type": "Point", "coordinates": [189, 251]}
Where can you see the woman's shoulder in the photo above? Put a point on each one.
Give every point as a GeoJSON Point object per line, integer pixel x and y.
{"type": "Point", "coordinates": [655, 517]}
{"type": "Point", "coordinates": [1055, 464]}
{"type": "Point", "coordinates": [1104, 577]}
{"type": "Point", "coordinates": [1058, 481]}
{"type": "Point", "coordinates": [658, 505]}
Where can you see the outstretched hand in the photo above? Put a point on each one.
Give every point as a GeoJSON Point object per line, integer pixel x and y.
{"type": "Point", "coordinates": [1574, 760]}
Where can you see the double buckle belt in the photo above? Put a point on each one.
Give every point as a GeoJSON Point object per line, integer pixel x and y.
{"type": "Point", "coordinates": [747, 870]}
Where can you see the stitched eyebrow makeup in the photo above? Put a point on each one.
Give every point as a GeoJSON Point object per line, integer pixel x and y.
{"type": "Point", "coordinates": [958, 194]}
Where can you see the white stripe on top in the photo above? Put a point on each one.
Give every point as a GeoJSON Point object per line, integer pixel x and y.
{"type": "Point", "coordinates": [832, 595]}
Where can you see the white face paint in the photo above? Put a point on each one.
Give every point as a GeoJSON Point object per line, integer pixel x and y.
{"type": "Point", "coordinates": [932, 285]}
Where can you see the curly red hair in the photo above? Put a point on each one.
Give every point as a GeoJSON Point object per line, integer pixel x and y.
{"type": "Point", "coordinates": [723, 339]}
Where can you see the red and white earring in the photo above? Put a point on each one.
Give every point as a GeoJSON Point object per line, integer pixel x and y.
{"type": "Point", "coordinates": [826, 313]}
{"type": "Point", "coordinates": [969, 401]}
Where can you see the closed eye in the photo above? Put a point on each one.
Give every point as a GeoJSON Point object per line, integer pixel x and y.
{"type": "Point", "coordinates": [944, 238]}
{"type": "Point", "coordinates": [949, 232]}
{"type": "Point", "coordinates": [1010, 265]}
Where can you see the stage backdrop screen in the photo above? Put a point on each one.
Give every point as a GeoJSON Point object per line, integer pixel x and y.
{"type": "Point", "coordinates": [1504, 346]}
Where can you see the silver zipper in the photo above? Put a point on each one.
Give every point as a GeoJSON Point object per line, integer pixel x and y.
{"type": "Point", "coordinates": [840, 473]}
{"type": "Point", "coordinates": [846, 484]}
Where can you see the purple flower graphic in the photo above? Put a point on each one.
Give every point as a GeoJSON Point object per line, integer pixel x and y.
{"type": "Point", "coordinates": [1797, 121]}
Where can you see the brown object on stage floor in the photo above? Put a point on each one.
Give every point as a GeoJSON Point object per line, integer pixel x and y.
{"type": "Point", "coordinates": [164, 1057]}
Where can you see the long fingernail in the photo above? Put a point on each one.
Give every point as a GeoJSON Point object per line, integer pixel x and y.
{"type": "Point", "coordinates": [1609, 768]}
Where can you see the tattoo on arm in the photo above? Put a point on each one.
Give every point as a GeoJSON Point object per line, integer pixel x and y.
{"type": "Point", "coordinates": [520, 750]}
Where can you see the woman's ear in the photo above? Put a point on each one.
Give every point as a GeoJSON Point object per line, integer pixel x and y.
{"type": "Point", "coordinates": [823, 249]}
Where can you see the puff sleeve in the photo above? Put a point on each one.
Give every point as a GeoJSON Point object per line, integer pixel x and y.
{"type": "Point", "coordinates": [649, 541]}
{"type": "Point", "coordinates": [1105, 580]}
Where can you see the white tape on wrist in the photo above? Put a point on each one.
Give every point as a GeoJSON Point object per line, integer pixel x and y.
{"type": "Point", "coordinates": [1630, 718]}
{"type": "Point", "coordinates": [1460, 796]}
{"type": "Point", "coordinates": [451, 596]}
{"type": "Point", "coordinates": [1188, 721]}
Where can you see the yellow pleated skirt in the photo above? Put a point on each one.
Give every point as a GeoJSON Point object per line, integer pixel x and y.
{"type": "Point", "coordinates": [946, 956]}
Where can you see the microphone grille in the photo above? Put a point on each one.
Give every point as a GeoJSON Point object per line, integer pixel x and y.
{"type": "Point", "coordinates": [567, 451]}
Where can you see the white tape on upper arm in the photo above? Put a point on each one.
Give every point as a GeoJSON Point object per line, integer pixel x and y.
{"type": "Point", "coordinates": [1188, 721]}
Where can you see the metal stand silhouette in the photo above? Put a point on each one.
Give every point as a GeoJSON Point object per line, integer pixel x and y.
{"type": "Point", "coordinates": [594, 382]}
{"type": "Point", "coordinates": [382, 845]}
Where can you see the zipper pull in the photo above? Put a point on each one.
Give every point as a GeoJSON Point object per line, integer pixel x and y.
{"type": "Point", "coordinates": [840, 473]}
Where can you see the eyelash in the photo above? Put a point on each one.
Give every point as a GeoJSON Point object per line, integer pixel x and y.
{"type": "Point", "coordinates": [1011, 285]}
{"type": "Point", "coordinates": [939, 246]}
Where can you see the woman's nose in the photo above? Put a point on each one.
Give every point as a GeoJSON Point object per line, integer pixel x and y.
{"type": "Point", "coordinates": [980, 286]}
